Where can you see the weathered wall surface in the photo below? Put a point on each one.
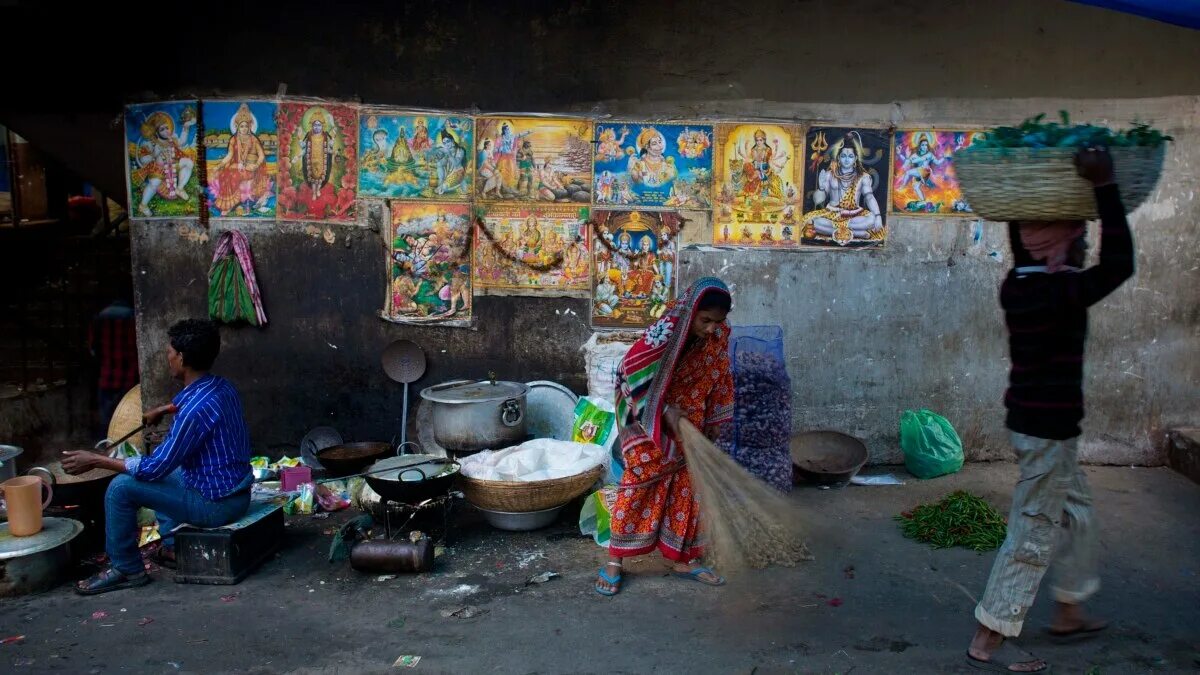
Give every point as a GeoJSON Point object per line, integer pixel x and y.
{"type": "Point", "coordinates": [869, 334]}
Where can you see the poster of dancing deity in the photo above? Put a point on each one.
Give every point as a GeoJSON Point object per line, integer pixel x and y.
{"type": "Point", "coordinates": [923, 178]}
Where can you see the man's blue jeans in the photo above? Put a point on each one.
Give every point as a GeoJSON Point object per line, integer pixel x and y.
{"type": "Point", "coordinates": [173, 502]}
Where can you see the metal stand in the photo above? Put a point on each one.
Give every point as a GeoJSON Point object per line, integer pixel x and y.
{"type": "Point", "coordinates": [404, 514]}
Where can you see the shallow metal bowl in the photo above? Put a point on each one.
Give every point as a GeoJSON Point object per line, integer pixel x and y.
{"type": "Point", "coordinates": [826, 457]}
{"type": "Point", "coordinates": [522, 522]}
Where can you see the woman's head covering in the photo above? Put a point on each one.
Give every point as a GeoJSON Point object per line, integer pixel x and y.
{"type": "Point", "coordinates": [645, 372]}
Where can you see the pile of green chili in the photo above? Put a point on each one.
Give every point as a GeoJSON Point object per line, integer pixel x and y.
{"type": "Point", "coordinates": [961, 519]}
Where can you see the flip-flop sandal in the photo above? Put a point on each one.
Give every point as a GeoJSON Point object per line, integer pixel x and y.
{"type": "Point", "coordinates": [110, 580]}
{"type": "Point", "coordinates": [1089, 629]}
{"type": "Point", "coordinates": [1004, 656]}
{"type": "Point", "coordinates": [695, 575]}
{"type": "Point", "coordinates": [615, 581]}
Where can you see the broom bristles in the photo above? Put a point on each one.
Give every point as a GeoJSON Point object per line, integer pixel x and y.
{"type": "Point", "coordinates": [749, 524]}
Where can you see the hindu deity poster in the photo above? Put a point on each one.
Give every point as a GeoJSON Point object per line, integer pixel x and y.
{"type": "Point", "coordinates": [653, 165]}
{"type": "Point", "coordinates": [318, 167]}
{"type": "Point", "coordinates": [429, 278]}
{"type": "Point", "coordinates": [161, 153]}
{"type": "Point", "coordinates": [758, 199]}
{"type": "Point", "coordinates": [845, 187]}
{"type": "Point", "coordinates": [633, 267]}
{"type": "Point", "coordinates": [415, 156]}
{"type": "Point", "coordinates": [528, 250]}
{"type": "Point", "coordinates": [533, 159]}
{"type": "Point", "coordinates": [240, 146]}
{"type": "Point", "coordinates": [923, 179]}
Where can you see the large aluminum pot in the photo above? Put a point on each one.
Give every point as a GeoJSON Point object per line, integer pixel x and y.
{"type": "Point", "coordinates": [471, 416]}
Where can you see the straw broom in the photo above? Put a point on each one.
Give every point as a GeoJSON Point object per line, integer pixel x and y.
{"type": "Point", "coordinates": [749, 524]}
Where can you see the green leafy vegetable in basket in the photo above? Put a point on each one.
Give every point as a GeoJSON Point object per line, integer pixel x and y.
{"type": "Point", "coordinates": [961, 519]}
{"type": "Point", "coordinates": [1035, 132]}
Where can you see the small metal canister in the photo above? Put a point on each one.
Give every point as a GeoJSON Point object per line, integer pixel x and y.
{"type": "Point", "coordinates": [393, 557]}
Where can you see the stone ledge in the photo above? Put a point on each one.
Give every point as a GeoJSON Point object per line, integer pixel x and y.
{"type": "Point", "coordinates": [1183, 451]}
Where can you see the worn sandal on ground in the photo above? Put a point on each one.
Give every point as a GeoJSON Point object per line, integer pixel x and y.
{"type": "Point", "coordinates": [1089, 628]}
{"type": "Point", "coordinates": [614, 581]}
{"type": "Point", "coordinates": [1004, 657]}
{"type": "Point", "coordinates": [110, 580]}
{"type": "Point", "coordinates": [696, 573]}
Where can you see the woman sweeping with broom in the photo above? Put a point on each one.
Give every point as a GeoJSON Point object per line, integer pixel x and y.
{"type": "Point", "coordinates": [678, 370]}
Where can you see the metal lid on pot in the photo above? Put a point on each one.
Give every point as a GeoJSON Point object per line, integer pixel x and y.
{"type": "Point", "coordinates": [55, 532]}
{"type": "Point", "coordinates": [474, 392]}
{"type": "Point", "coordinates": [9, 453]}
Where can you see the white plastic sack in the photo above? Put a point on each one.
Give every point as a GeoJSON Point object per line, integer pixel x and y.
{"type": "Point", "coordinates": [603, 353]}
{"type": "Point", "coordinates": [539, 459]}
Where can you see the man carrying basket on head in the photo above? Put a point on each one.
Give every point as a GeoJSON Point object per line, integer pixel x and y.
{"type": "Point", "coordinates": [1045, 299]}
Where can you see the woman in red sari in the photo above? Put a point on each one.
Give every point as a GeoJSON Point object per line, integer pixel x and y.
{"type": "Point", "coordinates": [679, 369]}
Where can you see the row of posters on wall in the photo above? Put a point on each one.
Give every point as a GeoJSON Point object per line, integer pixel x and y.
{"type": "Point", "coordinates": [530, 205]}
{"type": "Point", "coordinates": [441, 255]}
{"type": "Point", "coordinates": [768, 185]}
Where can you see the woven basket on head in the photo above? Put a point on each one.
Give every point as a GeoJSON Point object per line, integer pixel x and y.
{"type": "Point", "coordinates": [1008, 184]}
{"type": "Point", "coordinates": [527, 496]}
{"type": "Point", "coordinates": [127, 417]}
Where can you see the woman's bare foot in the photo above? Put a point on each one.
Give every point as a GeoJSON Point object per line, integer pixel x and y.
{"type": "Point", "coordinates": [987, 641]}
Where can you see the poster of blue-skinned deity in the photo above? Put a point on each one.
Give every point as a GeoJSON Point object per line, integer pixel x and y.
{"type": "Point", "coordinates": [161, 159]}
{"type": "Point", "coordinates": [653, 165]}
{"type": "Point", "coordinates": [634, 256]}
{"type": "Point", "coordinates": [415, 156]}
{"type": "Point", "coordinates": [240, 146]}
{"type": "Point", "coordinates": [923, 178]}
{"type": "Point", "coordinates": [845, 187]}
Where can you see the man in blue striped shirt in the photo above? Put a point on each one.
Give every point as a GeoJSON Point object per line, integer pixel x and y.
{"type": "Point", "coordinates": [200, 474]}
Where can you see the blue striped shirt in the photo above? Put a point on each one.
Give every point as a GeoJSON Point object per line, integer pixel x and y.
{"type": "Point", "coordinates": [208, 441]}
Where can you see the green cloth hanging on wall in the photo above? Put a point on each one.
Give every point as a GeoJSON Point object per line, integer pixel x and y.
{"type": "Point", "coordinates": [228, 295]}
{"type": "Point", "coordinates": [232, 287]}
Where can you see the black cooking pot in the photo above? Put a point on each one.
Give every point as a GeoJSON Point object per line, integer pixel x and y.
{"type": "Point", "coordinates": [348, 458]}
{"type": "Point", "coordinates": [85, 490]}
{"type": "Point", "coordinates": [411, 479]}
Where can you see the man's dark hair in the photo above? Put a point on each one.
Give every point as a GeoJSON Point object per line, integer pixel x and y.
{"type": "Point", "coordinates": [198, 341]}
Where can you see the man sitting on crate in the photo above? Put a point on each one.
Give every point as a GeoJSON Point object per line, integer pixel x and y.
{"type": "Point", "coordinates": [1045, 299]}
{"type": "Point", "coordinates": [200, 474]}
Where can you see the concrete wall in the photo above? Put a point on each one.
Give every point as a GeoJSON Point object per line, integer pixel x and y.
{"type": "Point", "coordinates": [869, 334]}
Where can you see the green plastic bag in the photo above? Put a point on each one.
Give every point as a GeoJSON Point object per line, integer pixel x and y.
{"type": "Point", "coordinates": [931, 446]}
{"type": "Point", "coordinates": [595, 517]}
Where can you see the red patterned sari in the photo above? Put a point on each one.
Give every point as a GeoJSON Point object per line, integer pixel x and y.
{"type": "Point", "coordinates": [656, 506]}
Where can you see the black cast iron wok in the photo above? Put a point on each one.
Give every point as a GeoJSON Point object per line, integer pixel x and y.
{"type": "Point", "coordinates": [411, 479]}
{"type": "Point", "coordinates": [348, 458]}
